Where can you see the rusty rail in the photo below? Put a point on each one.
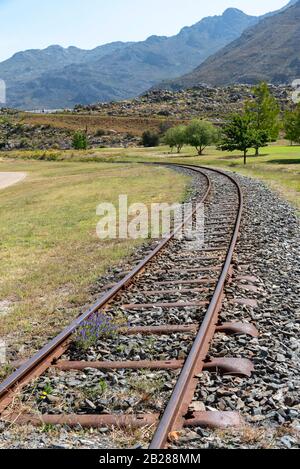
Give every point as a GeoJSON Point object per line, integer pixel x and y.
{"type": "Point", "coordinates": [174, 415]}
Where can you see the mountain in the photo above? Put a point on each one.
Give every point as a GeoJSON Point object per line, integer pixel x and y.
{"type": "Point", "coordinates": [291, 3]}
{"type": "Point", "coordinates": [268, 51]}
{"type": "Point", "coordinates": [56, 77]}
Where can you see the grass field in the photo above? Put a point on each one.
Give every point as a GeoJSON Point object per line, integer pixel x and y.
{"type": "Point", "coordinates": [50, 255]}
{"type": "Point", "coordinates": [279, 165]}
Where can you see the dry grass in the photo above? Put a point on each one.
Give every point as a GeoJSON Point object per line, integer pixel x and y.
{"type": "Point", "coordinates": [117, 437]}
{"type": "Point", "coordinates": [131, 437]}
{"type": "Point", "coordinates": [132, 125]}
{"type": "Point", "coordinates": [257, 437]}
{"type": "Point", "coordinates": [50, 254]}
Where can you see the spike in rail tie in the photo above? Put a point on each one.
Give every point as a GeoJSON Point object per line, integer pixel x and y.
{"type": "Point", "coordinates": [238, 328]}
{"type": "Point", "coordinates": [231, 366]}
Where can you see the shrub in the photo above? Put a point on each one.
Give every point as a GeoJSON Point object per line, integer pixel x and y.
{"type": "Point", "coordinates": [165, 126]}
{"type": "Point", "coordinates": [80, 141]}
{"type": "Point", "coordinates": [150, 139]}
{"type": "Point", "coordinates": [100, 133]}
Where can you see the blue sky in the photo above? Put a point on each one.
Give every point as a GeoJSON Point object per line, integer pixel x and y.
{"type": "Point", "coordinates": [35, 24]}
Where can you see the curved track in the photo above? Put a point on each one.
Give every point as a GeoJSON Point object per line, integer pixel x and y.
{"type": "Point", "coordinates": [172, 271]}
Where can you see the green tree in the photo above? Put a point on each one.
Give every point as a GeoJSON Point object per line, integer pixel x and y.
{"type": "Point", "coordinates": [200, 134]}
{"type": "Point", "coordinates": [292, 125]}
{"type": "Point", "coordinates": [176, 137]}
{"type": "Point", "coordinates": [238, 134]}
{"type": "Point", "coordinates": [263, 111]}
{"type": "Point", "coordinates": [150, 139]}
{"type": "Point", "coordinates": [80, 141]}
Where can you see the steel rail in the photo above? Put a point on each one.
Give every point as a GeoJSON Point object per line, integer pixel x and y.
{"type": "Point", "coordinates": [43, 359]}
{"type": "Point", "coordinates": [177, 408]}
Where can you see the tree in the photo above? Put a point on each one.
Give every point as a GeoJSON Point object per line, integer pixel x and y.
{"type": "Point", "coordinates": [200, 134]}
{"type": "Point", "coordinates": [150, 139]}
{"type": "Point", "coordinates": [176, 137]}
{"type": "Point", "coordinates": [80, 141]}
{"type": "Point", "coordinates": [292, 125]}
{"type": "Point", "coordinates": [263, 112]}
{"type": "Point", "coordinates": [238, 134]}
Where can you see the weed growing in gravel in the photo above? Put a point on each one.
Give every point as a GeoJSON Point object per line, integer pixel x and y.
{"type": "Point", "coordinates": [102, 386]}
{"type": "Point", "coordinates": [47, 391]}
{"type": "Point", "coordinates": [144, 384]}
{"type": "Point", "coordinates": [132, 436]}
{"type": "Point", "coordinates": [94, 328]}
{"type": "Point", "coordinates": [99, 390]}
{"type": "Point", "coordinates": [48, 428]}
{"type": "Point", "coordinates": [5, 371]}
{"type": "Point", "coordinates": [120, 348]}
{"type": "Point", "coordinates": [150, 343]}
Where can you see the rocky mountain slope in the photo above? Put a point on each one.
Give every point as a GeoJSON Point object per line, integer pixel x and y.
{"type": "Point", "coordinates": [268, 51]}
{"type": "Point", "coordinates": [57, 77]}
{"type": "Point", "coordinates": [214, 103]}
{"type": "Point", "coordinates": [121, 124]}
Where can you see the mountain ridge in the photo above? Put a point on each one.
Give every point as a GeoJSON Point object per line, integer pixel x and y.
{"type": "Point", "coordinates": [245, 61]}
{"type": "Point", "coordinates": [58, 77]}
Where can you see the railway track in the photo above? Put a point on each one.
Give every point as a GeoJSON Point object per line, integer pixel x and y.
{"type": "Point", "coordinates": [173, 290]}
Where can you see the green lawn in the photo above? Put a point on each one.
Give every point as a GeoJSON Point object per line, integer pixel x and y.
{"type": "Point", "coordinates": [279, 165]}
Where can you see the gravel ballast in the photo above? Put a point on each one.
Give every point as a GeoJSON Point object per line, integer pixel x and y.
{"type": "Point", "coordinates": [269, 401]}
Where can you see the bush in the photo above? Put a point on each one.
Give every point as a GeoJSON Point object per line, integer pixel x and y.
{"type": "Point", "coordinates": [100, 133]}
{"type": "Point", "coordinates": [165, 126]}
{"type": "Point", "coordinates": [150, 139]}
{"type": "Point", "coordinates": [80, 141]}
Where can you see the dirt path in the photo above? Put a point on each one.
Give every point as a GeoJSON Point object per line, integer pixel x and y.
{"type": "Point", "coordinates": [8, 179]}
